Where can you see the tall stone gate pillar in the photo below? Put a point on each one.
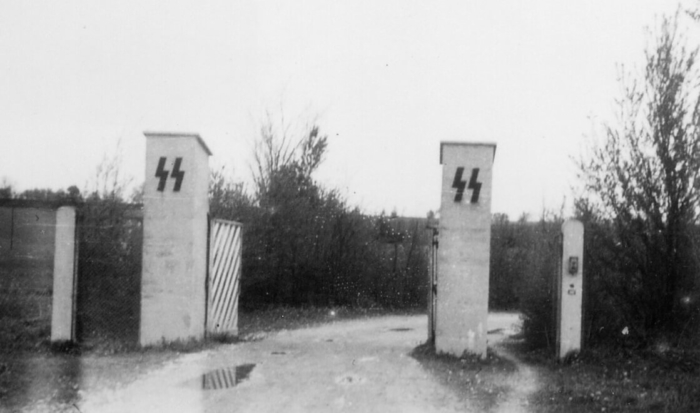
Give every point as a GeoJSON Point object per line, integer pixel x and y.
{"type": "Point", "coordinates": [464, 248]}
{"type": "Point", "coordinates": [173, 295]}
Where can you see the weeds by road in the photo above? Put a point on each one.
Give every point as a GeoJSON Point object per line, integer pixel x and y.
{"type": "Point", "coordinates": [481, 382]}
{"type": "Point", "coordinates": [618, 381]}
{"type": "Point", "coordinates": [595, 381]}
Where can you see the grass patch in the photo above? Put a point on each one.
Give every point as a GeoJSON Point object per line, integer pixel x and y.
{"type": "Point", "coordinates": [607, 380]}
{"type": "Point", "coordinates": [107, 346]}
{"type": "Point", "coordinates": [478, 381]}
{"type": "Point", "coordinates": [25, 319]}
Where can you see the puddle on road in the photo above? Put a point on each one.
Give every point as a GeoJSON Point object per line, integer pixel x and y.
{"type": "Point", "coordinates": [226, 378]}
{"type": "Point", "coordinates": [401, 329]}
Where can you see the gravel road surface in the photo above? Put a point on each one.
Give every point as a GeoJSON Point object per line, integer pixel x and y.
{"type": "Point", "coordinates": [346, 366]}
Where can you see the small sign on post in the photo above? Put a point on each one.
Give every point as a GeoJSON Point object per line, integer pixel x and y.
{"type": "Point", "coordinates": [569, 289]}
{"type": "Point", "coordinates": [175, 209]}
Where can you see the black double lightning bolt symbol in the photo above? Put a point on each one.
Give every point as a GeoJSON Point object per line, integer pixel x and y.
{"type": "Point", "coordinates": [162, 174]}
{"type": "Point", "coordinates": [459, 184]}
{"type": "Point", "coordinates": [476, 186]}
{"type": "Point", "coordinates": [180, 175]}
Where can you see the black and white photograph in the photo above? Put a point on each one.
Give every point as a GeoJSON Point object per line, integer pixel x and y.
{"type": "Point", "coordinates": [349, 206]}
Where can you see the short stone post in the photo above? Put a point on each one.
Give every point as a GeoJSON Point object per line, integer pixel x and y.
{"type": "Point", "coordinates": [64, 277]}
{"type": "Point", "coordinates": [569, 290]}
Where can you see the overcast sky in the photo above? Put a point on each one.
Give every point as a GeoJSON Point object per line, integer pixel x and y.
{"type": "Point", "coordinates": [388, 81]}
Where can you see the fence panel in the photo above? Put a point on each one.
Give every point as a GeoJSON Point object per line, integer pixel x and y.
{"type": "Point", "coordinates": [109, 273]}
{"type": "Point", "coordinates": [27, 243]}
{"type": "Point", "coordinates": [225, 247]}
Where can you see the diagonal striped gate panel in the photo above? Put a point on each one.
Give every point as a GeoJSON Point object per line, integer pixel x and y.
{"type": "Point", "coordinates": [225, 246]}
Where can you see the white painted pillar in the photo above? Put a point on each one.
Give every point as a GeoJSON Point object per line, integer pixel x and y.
{"type": "Point", "coordinates": [570, 289]}
{"type": "Point", "coordinates": [64, 272]}
{"type": "Point", "coordinates": [173, 291]}
{"type": "Point", "coordinates": [464, 248]}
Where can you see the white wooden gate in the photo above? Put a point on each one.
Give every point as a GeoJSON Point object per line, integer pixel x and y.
{"type": "Point", "coordinates": [223, 284]}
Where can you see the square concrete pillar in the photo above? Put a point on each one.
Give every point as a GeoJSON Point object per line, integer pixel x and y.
{"type": "Point", "coordinates": [175, 214]}
{"type": "Point", "coordinates": [464, 248]}
{"type": "Point", "coordinates": [569, 289]}
{"type": "Point", "coordinates": [64, 271]}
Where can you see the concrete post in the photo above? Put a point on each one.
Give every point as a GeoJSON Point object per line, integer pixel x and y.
{"type": "Point", "coordinates": [570, 289]}
{"type": "Point", "coordinates": [64, 271]}
{"type": "Point", "coordinates": [173, 291]}
{"type": "Point", "coordinates": [464, 248]}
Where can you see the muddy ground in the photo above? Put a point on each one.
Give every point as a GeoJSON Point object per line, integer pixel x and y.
{"type": "Point", "coordinates": [366, 365]}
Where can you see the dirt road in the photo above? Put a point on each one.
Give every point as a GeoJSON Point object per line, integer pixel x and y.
{"type": "Point", "coordinates": [349, 366]}
{"type": "Point", "coordinates": [525, 381]}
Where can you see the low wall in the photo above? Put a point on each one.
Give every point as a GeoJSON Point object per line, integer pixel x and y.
{"type": "Point", "coordinates": [27, 238]}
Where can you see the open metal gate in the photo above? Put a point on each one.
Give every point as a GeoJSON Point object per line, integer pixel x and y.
{"type": "Point", "coordinates": [432, 290]}
{"type": "Point", "coordinates": [223, 281]}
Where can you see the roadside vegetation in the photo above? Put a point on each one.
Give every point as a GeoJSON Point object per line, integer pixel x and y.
{"type": "Point", "coordinates": [610, 380]}
{"type": "Point", "coordinates": [480, 383]}
{"type": "Point", "coordinates": [639, 202]}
